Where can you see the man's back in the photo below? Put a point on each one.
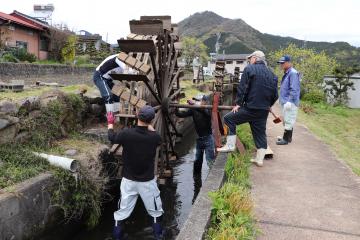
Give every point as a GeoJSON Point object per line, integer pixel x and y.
{"type": "Point", "coordinates": [139, 150]}
{"type": "Point", "coordinates": [261, 86]}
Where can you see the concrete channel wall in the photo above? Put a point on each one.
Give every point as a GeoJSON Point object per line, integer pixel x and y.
{"type": "Point", "coordinates": [198, 220]}
{"type": "Point", "coordinates": [25, 211]}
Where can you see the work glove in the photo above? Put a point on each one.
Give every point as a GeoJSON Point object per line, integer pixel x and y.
{"type": "Point", "coordinates": [287, 106]}
{"type": "Point", "coordinates": [190, 102]}
{"type": "Point", "coordinates": [110, 118]}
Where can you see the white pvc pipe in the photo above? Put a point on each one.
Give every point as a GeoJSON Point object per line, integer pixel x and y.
{"type": "Point", "coordinates": [66, 163]}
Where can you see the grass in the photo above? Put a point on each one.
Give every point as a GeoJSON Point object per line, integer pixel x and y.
{"type": "Point", "coordinates": [79, 197]}
{"type": "Point", "coordinates": [232, 208]}
{"type": "Point", "coordinates": [13, 96]}
{"type": "Point", "coordinates": [336, 126]}
{"type": "Point", "coordinates": [191, 90]}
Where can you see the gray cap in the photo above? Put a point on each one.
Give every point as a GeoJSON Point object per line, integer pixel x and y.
{"type": "Point", "coordinates": [146, 114]}
{"type": "Point", "coordinates": [258, 54]}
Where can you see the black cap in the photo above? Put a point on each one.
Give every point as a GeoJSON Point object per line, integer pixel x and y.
{"type": "Point", "coordinates": [146, 114]}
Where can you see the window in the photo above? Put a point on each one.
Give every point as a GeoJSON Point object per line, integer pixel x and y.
{"type": "Point", "coordinates": [239, 62]}
{"type": "Point", "coordinates": [12, 28]}
{"type": "Point", "coordinates": [229, 62]}
{"type": "Point", "coordinates": [29, 32]}
{"type": "Point", "coordinates": [20, 44]}
{"type": "Point", "coordinates": [44, 44]}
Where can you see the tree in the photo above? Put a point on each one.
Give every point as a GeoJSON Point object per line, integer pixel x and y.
{"type": "Point", "coordinates": [192, 47]}
{"type": "Point", "coordinates": [311, 65]}
{"type": "Point", "coordinates": [68, 51]}
{"type": "Point", "coordinates": [58, 38]}
{"type": "Point", "coordinates": [337, 88]}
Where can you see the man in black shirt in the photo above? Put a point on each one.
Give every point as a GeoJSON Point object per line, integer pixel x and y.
{"type": "Point", "coordinates": [205, 140]}
{"type": "Point", "coordinates": [139, 150]}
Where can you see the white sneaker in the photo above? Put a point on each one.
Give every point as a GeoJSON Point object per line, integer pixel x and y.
{"type": "Point", "coordinates": [230, 144]}
{"type": "Point", "coordinates": [259, 160]}
{"type": "Point", "coordinates": [269, 152]}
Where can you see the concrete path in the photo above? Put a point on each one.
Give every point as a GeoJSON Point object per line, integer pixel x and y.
{"type": "Point", "coordinates": [304, 192]}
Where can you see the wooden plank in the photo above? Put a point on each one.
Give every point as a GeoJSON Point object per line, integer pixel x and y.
{"type": "Point", "coordinates": [122, 56]}
{"type": "Point", "coordinates": [166, 20]}
{"type": "Point", "coordinates": [131, 61]}
{"type": "Point", "coordinates": [137, 46]}
{"type": "Point", "coordinates": [145, 69]}
{"type": "Point", "coordinates": [131, 36]}
{"type": "Point", "coordinates": [147, 27]}
{"type": "Point", "coordinates": [129, 77]}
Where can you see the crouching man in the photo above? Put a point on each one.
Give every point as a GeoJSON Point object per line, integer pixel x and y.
{"type": "Point", "coordinates": [139, 150]}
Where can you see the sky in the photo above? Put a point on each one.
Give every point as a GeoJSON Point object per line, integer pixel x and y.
{"type": "Point", "coordinates": [311, 20]}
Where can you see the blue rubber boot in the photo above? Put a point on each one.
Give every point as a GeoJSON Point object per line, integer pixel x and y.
{"type": "Point", "coordinates": [158, 231]}
{"type": "Point", "coordinates": [118, 231]}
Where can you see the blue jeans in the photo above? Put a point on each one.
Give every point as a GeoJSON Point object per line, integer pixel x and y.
{"type": "Point", "coordinates": [257, 120]}
{"type": "Point", "coordinates": [204, 144]}
{"type": "Point", "coordinates": [104, 86]}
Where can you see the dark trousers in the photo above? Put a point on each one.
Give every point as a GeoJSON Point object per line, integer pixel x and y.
{"type": "Point", "coordinates": [104, 86]}
{"type": "Point", "coordinates": [204, 144]}
{"type": "Point", "coordinates": [257, 120]}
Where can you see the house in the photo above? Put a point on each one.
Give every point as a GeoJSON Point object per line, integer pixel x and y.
{"type": "Point", "coordinates": [354, 95]}
{"type": "Point", "coordinates": [87, 41]}
{"type": "Point", "coordinates": [231, 61]}
{"type": "Point", "coordinates": [44, 35]}
{"type": "Point", "coordinates": [21, 31]}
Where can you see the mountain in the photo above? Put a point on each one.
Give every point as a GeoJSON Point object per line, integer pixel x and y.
{"type": "Point", "coordinates": [239, 37]}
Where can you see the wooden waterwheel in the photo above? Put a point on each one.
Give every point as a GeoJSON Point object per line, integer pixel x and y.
{"type": "Point", "coordinates": [151, 52]}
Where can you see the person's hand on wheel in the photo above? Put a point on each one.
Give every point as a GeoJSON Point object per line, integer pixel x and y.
{"type": "Point", "coordinates": [235, 109]}
{"type": "Point", "coordinates": [110, 118]}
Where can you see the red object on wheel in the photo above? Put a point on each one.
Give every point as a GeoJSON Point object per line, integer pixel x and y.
{"type": "Point", "coordinates": [110, 118]}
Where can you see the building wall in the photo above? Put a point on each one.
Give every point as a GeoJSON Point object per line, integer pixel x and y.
{"type": "Point", "coordinates": [30, 36]}
{"type": "Point", "coordinates": [354, 95]}
{"type": "Point", "coordinates": [230, 68]}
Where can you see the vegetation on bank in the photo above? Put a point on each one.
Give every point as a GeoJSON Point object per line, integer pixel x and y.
{"type": "Point", "coordinates": [232, 208]}
{"type": "Point", "coordinates": [78, 196]}
{"type": "Point", "coordinates": [29, 92]}
{"type": "Point", "coordinates": [337, 126]}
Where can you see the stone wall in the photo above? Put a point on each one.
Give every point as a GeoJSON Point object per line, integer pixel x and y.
{"type": "Point", "coordinates": [30, 73]}
{"type": "Point", "coordinates": [26, 211]}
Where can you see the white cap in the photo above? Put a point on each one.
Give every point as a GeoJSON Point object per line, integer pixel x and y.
{"type": "Point", "coordinates": [258, 54]}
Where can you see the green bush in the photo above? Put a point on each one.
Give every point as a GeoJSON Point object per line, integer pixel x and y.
{"type": "Point", "coordinates": [23, 55]}
{"type": "Point", "coordinates": [314, 97]}
{"type": "Point", "coordinates": [8, 57]}
{"type": "Point", "coordinates": [82, 59]}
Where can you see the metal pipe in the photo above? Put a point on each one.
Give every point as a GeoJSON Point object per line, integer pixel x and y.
{"type": "Point", "coordinates": [220, 107]}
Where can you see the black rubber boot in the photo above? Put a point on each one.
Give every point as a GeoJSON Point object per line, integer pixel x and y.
{"type": "Point", "coordinates": [285, 139]}
{"type": "Point", "coordinates": [198, 166]}
{"type": "Point", "coordinates": [290, 135]}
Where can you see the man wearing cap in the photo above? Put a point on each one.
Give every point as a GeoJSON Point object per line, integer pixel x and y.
{"type": "Point", "coordinates": [289, 98]}
{"type": "Point", "coordinates": [256, 93]}
{"type": "Point", "coordinates": [205, 140]}
{"type": "Point", "coordinates": [139, 150]}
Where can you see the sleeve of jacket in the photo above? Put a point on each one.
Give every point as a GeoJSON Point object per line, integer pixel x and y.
{"type": "Point", "coordinates": [276, 93]}
{"type": "Point", "coordinates": [183, 114]}
{"type": "Point", "coordinates": [294, 86]}
{"type": "Point", "coordinates": [241, 89]}
{"type": "Point", "coordinates": [115, 138]}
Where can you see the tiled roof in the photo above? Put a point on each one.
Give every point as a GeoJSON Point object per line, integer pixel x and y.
{"type": "Point", "coordinates": [18, 21]}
